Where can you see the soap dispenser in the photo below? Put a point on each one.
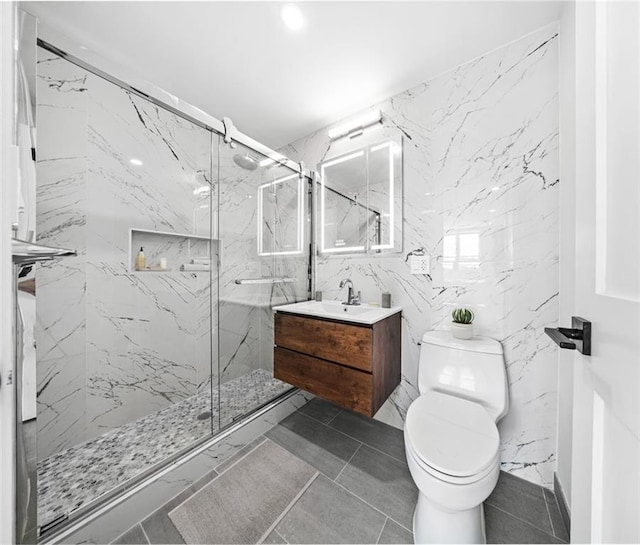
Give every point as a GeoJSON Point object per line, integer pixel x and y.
{"type": "Point", "coordinates": [141, 260]}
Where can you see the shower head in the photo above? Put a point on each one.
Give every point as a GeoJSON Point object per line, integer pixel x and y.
{"type": "Point", "coordinates": [245, 161]}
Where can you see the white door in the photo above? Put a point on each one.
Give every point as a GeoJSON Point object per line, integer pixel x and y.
{"type": "Point", "coordinates": [606, 444]}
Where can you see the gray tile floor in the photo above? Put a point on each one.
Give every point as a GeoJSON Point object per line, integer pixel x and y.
{"type": "Point", "coordinates": [364, 492]}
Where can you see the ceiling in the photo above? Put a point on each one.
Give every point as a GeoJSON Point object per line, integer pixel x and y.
{"type": "Point", "coordinates": [237, 59]}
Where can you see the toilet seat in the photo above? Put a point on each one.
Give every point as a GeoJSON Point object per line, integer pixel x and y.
{"type": "Point", "coordinates": [453, 439]}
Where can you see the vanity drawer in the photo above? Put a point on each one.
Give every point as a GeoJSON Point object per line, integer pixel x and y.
{"type": "Point", "coordinates": [334, 341]}
{"type": "Point", "coordinates": [347, 387]}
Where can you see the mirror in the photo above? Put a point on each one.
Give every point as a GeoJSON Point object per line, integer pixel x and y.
{"type": "Point", "coordinates": [360, 200]}
{"type": "Point", "coordinates": [280, 216]}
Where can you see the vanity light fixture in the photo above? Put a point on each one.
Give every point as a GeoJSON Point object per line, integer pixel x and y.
{"type": "Point", "coordinates": [292, 16]}
{"type": "Point", "coordinates": [356, 126]}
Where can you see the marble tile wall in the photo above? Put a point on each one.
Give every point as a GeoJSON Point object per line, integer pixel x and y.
{"type": "Point", "coordinates": [481, 195]}
{"type": "Point", "coordinates": [115, 344]}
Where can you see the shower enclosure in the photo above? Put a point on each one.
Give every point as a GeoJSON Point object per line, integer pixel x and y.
{"type": "Point", "coordinates": [137, 364]}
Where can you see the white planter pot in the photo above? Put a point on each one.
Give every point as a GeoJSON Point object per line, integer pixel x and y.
{"type": "Point", "coordinates": [462, 331]}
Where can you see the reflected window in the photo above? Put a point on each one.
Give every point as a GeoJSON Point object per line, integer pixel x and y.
{"type": "Point", "coordinates": [461, 251]}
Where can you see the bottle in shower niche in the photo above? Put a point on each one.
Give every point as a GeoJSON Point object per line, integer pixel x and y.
{"type": "Point", "coordinates": [141, 260]}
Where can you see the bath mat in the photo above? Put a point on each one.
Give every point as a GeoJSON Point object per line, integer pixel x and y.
{"type": "Point", "coordinates": [240, 505]}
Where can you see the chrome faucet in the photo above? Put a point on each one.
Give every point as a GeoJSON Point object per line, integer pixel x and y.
{"type": "Point", "coordinates": [352, 299]}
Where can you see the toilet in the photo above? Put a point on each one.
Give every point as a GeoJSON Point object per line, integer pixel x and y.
{"type": "Point", "coordinates": [451, 437]}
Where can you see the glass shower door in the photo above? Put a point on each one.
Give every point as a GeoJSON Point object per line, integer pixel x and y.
{"type": "Point", "coordinates": [264, 254]}
{"type": "Point", "coordinates": [124, 343]}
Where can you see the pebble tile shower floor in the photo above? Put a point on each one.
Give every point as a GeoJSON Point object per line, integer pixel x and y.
{"type": "Point", "coordinates": [78, 475]}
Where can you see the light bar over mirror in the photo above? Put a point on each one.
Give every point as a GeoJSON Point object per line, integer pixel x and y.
{"type": "Point", "coordinates": [360, 200]}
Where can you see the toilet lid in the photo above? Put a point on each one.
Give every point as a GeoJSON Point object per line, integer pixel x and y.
{"type": "Point", "coordinates": [452, 435]}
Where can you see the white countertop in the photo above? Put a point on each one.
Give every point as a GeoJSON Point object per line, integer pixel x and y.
{"type": "Point", "coordinates": [336, 310]}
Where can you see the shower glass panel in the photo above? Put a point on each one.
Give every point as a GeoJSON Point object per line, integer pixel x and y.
{"type": "Point", "coordinates": [264, 258]}
{"type": "Point", "coordinates": [126, 368]}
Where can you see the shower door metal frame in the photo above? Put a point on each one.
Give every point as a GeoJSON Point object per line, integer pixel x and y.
{"type": "Point", "coordinates": [225, 128]}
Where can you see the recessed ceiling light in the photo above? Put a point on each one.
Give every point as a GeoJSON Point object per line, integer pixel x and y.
{"type": "Point", "coordinates": [136, 162]}
{"type": "Point", "coordinates": [495, 188]}
{"type": "Point", "coordinates": [292, 17]}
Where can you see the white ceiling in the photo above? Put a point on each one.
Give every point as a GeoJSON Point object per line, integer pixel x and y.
{"type": "Point", "coordinates": [237, 59]}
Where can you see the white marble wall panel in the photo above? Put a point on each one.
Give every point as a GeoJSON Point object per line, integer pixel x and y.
{"type": "Point", "coordinates": [60, 221]}
{"type": "Point", "coordinates": [481, 166]}
{"type": "Point", "coordinates": [114, 344]}
{"type": "Point", "coordinates": [61, 417]}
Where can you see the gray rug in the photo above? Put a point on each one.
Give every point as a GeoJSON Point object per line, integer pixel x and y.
{"type": "Point", "coordinates": [243, 503]}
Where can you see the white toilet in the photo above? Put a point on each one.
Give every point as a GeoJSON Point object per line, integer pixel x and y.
{"type": "Point", "coordinates": [451, 438]}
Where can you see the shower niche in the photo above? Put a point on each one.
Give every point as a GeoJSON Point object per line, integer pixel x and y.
{"type": "Point", "coordinates": [166, 252]}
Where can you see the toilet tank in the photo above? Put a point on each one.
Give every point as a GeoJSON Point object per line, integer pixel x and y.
{"type": "Point", "coordinates": [471, 369]}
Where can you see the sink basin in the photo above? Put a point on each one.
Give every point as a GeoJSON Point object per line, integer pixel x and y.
{"type": "Point", "coordinates": [336, 310]}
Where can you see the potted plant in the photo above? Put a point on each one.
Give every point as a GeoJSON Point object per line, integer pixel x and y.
{"type": "Point", "coordinates": [462, 324]}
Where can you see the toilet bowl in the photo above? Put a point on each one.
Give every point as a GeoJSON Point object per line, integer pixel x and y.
{"type": "Point", "coordinates": [452, 453]}
{"type": "Point", "coordinates": [451, 438]}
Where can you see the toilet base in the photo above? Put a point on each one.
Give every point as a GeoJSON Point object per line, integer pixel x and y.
{"type": "Point", "coordinates": [435, 524]}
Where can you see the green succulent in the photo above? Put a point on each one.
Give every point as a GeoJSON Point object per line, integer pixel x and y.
{"type": "Point", "coordinates": [462, 316]}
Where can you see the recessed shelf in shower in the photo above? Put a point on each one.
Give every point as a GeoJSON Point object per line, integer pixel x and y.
{"type": "Point", "coordinates": [176, 249]}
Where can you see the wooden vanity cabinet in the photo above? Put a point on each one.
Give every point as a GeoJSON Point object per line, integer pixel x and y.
{"type": "Point", "coordinates": [354, 365]}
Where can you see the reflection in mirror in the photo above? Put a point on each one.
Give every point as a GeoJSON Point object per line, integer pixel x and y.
{"type": "Point", "coordinates": [280, 216]}
{"type": "Point", "coordinates": [343, 209]}
{"type": "Point", "coordinates": [360, 201]}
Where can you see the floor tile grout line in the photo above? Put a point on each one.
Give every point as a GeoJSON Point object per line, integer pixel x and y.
{"type": "Point", "coordinates": [351, 436]}
{"type": "Point", "coordinates": [384, 524]}
{"type": "Point", "coordinates": [524, 521]}
{"type": "Point", "coordinates": [348, 461]}
{"type": "Point", "coordinates": [334, 417]}
{"type": "Point", "coordinates": [372, 506]}
{"type": "Point", "coordinates": [546, 504]}
{"type": "Point", "coordinates": [404, 461]}
{"type": "Point", "coordinates": [317, 419]}
{"type": "Point", "coordinates": [279, 535]}
{"type": "Point", "coordinates": [288, 507]}
{"type": "Point", "coordinates": [146, 536]}
{"type": "Point", "coordinates": [367, 444]}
